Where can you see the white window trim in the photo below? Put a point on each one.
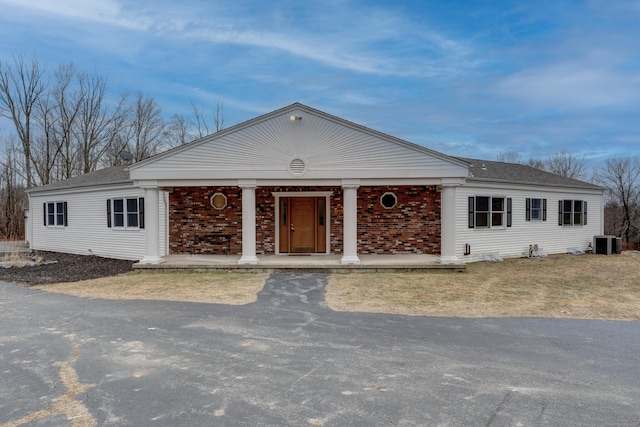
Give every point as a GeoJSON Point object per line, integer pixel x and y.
{"type": "Point", "coordinates": [490, 213]}
{"type": "Point", "coordinates": [395, 203]}
{"type": "Point", "coordinates": [538, 209]}
{"type": "Point", "coordinates": [55, 214]}
{"type": "Point", "coordinates": [490, 225]}
{"type": "Point", "coordinates": [125, 214]}
{"type": "Point", "coordinates": [583, 213]}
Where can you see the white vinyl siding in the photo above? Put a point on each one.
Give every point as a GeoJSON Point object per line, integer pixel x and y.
{"type": "Point", "coordinates": [87, 231]}
{"type": "Point", "coordinates": [329, 148]}
{"type": "Point", "coordinates": [514, 241]}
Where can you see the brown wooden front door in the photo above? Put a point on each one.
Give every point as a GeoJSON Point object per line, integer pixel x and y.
{"type": "Point", "coordinates": [302, 225]}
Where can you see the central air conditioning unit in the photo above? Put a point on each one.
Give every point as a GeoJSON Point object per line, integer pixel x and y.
{"type": "Point", "coordinates": [607, 245]}
{"type": "Point", "coordinates": [617, 247]}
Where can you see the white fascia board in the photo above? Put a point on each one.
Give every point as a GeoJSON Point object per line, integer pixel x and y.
{"type": "Point", "coordinates": [531, 187]}
{"type": "Point", "coordinates": [400, 181]}
{"type": "Point", "coordinates": [204, 175]}
{"type": "Point", "coordinates": [163, 183]}
{"type": "Point", "coordinates": [84, 189]}
{"type": "Point", "coordinates": [289, 182]}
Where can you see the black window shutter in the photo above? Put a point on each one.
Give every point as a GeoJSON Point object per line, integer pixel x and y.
{"type": "Point", "coordinates": [544, 209]}
{"type": "Point", "coordinates": [471, 211]}
{"type": "Point", "coordinates": [109, 213]}
{"type": "Point", "coordinates": [141, 211]}
{"type": "Point", "coordinates": [560, 212]}
{"type": "Point", "coordinates": [584, 207]}
{"type": "Point", "coordinates": [509, 211]}
{"type": "Point", "coordinates": [44, 213]}
{"type": "Point", "coordinates": [66, 223]}
{"type": "Point", "coordinates": [528, 210]}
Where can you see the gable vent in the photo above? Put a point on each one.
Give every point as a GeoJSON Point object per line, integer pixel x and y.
{"type": "Point", "coordinates": [297, 167]}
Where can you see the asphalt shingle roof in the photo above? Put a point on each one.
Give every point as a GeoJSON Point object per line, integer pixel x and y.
{"type": "Point", "coordinates": [479, 170]}
{"type": "Point", "coordinates": [111, 175]}
{"type": "Point", "coordinates": [485, 170]}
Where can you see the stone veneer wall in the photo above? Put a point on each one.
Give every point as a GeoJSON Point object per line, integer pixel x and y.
{"type": "Point", "coordinates": [413, 226]}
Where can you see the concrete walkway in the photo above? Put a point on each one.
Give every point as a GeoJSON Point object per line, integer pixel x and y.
{"type": "Point", "coordinates": [302, 263]}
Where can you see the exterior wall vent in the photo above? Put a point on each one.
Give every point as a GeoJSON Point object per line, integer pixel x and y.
{"type": "Point", "coordinates": [297, 167]}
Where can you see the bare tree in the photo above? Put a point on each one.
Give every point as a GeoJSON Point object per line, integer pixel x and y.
{"type": "Point", "coordinates": [218, 116]}
{"type": "Point", "coordinates": [21, 87]}
{"type": "Point", "coordinates": [536, 163]}
{"type": "Point", "coordinates": [46, 144]}
{"type": "Point", "coordinates": [567, 164]}
{"type": "Point", "coordinates": [12, 197]}
{"type": "Point", "coordinates": [146, 128]}
{"type": "Point", "coordinates": [203, 127]}
{"type": "Point", "coordinates": [179, 131]}
{"type": "Point", "coordinates": [68, 102]}
{"type": "Point", "coordinates": [99, 125]}
{"type": "Point", "coordinates": [514, 157]}
{"type": "Point", "coordinates": [509, 157]}
{"type": "Point", "coordinates": [621, 177]}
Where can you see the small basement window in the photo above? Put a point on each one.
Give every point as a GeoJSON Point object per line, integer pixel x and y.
{"type": "Point", "coordinates": [388, 200]}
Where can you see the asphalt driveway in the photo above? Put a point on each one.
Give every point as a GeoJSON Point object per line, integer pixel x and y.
{"type": "Point", "coordinates": [287, 360]}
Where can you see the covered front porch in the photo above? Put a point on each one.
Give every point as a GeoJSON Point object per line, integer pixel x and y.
{"type": "Point", "coordinates": [303, 263]}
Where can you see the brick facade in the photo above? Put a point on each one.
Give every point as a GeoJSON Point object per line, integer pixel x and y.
{"type": "Point", "coordinates": [412, 226]}
{"type": "Point", "coordinates": [192, 218]}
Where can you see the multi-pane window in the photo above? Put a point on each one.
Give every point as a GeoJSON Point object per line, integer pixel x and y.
{"type": "Point", "coordinates": [55, 214]}
{"type": "Point", "coordinates": [572, 212]}
{"type": "Point", "coordinates": [132, 213]}
{"type": "Point", "coordinates": [536, 209]}
{"type": "Point", "coordinates": [497, 211]}
{"type": "Point", "coordinates": [487, 212]}
{"type": "Point", "coordinates": [125, 213]}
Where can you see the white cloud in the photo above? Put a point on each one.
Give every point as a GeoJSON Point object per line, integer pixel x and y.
{"type": "Point", "coordinates": [581, 67]}
{"type": "Point", "coordinates": [104, 11]}
{"type": "Point", "coordinates": [574, 85]}
{"type": "Point", "coordinates": [372, 40]}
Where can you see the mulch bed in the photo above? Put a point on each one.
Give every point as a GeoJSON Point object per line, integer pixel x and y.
{"type": "Point", "coordinates": [59, 267]}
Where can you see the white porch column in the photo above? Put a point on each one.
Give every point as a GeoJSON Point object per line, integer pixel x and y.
{"type": "Point", "coordinates": [248, 222]}
{"type": "Point", "coordinates": [448, 224]}
{"type": "Point", "coordinates": [152, 225]}
{"type": "Point", "coordinates": [350, 222]}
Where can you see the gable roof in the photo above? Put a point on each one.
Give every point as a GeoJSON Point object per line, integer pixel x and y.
{"type": "Point", "coordinates": [267, 143]}
{"type": "Point", "coordinates": [487, 171]}
{"type": "Point", "coordinates": [329, 146]}
{"type": "Point", "coordinates": [107, 176]}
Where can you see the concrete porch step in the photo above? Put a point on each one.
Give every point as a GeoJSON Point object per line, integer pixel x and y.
{"type": "Point", "coordinates": [311, 264]}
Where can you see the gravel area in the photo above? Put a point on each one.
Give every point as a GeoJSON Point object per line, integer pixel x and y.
{"type": "Point", "coordinates": [58, 267]}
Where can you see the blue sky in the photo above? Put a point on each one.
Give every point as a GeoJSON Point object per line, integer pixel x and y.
{"type": "Point", "coordinates": [466, 78]}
